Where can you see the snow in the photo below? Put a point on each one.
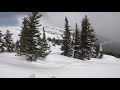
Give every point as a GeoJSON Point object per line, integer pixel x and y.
{"type": "Point", "coordinates": [55, 65]}
{"type": "Point", "coordinates": [14, 30]}
{"type": "Point", "coordinates": [50, 31]}
{"type": "Point", "coordinates": [58, 66]}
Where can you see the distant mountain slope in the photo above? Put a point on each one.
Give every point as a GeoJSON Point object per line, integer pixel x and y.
{"type": "Point", "coordinates": [102, 39]}
{"type": "Point", "coordinates": [52, 32]}
{"type": "Point", "coordinates": [112, 48]}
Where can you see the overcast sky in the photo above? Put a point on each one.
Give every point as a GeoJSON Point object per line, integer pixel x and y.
{"type": "Point", "coordinates": [105, 23]}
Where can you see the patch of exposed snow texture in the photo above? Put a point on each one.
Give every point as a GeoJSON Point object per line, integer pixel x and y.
{"type": "Point", "coordinates": [56, 65]}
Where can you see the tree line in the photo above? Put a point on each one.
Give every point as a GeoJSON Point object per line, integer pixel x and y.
{"type": "Point", "coordinates": [81, 44]}
{"type": "Point", "coordinates": [6, 42]}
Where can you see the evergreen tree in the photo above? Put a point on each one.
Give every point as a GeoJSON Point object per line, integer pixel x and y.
{"type": "Point", "coordinates": [9, 41]}
{"type": "Point", "coordinates": [17, 47]}
{"type": "Point", "coordinates": [24, 37]}
{"type": "Point", "coordinates": [87, 39]}
{"type": "Point", "coordinates": [77, 44]}
{"type": "Point", "coordinates": [53, 41]}
{"type": "Point", "coordinates": [43, 48]}
{"type": "Point", "coordinates": [39, 45]}
{"type": "Point", "coordinates": [67, 43]}
{"type": "Point", "coordinates": [101, 55]}
{"type": "Point", "coordinates": [99, 52]}
{"type": "Point", "coordinates": [29, 36]}
{"type": "Point", "coordinates": [93, 43]}
{"type": "Point", "coordinates": [1, 42]}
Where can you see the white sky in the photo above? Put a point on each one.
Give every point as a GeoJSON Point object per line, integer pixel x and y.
{"type": "Point", "coordinates": [106, 24]}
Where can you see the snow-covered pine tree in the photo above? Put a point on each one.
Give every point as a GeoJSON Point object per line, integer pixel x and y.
{"type": "Point", "coordinates": [43, 48]}
{"type": "Point", "coordinates": [30, 41]}
{"type": "Point", "coordinates": [1, 42]}
{"type": "Point", "coordinates": [17, 47]}
{"type": "Point", "coordinates": [32, 33]}
{"type": "Point", "coordinates": [24, 37]}
{"type": "Point", "coordinates": [67, 42]}
{"type": "Point", "coordinates": [73, 44]}
{"type": "Point", "coordinates": [99, 52]}
{"type": "Point", "coordinates": [93, 43]}
{"type": "Point", "coordinates": [39, 46]}
{"type": "Point", "coordinates": [9, 41]}
{"type": "Point", "coordinates": [77, 43]}
{"type": "Point", "coordinates": [87, 39]}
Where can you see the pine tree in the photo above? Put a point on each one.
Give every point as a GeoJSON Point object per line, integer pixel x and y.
{"type": "Point", "coordinates": [33, 36]}
{"type": "Point", "coordinates": [99, 52]}
{"type": "Point", "coordinates": [45, 47]}
{"type": "Point", "coordinates": [24, 37]}
{"type": "Point", "coordinates": [9, 41]}
{"type": "Point", "coordinates": [30, 30]}
{"type": "Point", "coordinates": [93, 43]}
{"type": "Point", "coordinates": [87, 39]}
{"type": "Point", "coordinates": [67, 43]}
{"type": "Point", "coordinates": [31, 44]}
{"type": "Point", "coordinates": [17, 47]}
{"type": "Point", "coordinates": [77, 43]}
{"type": "Point", "coordinates": [39, 46]}
{"type": "Point", "coordinates": [1, 42]}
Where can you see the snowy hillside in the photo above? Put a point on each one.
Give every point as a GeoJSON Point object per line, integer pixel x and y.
{"type": "Point", "coordinates": [51, 32]}
{"type": "Point", "coordinates": [14, 30]}
{"type": "Point", "coordinates": [56, 65]}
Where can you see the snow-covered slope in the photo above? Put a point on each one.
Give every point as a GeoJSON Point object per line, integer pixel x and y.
{"type": "Point", "coordinates": [56, 65]}
{"type": "Point", "coordinates": [14, 30]}
{"type": "Point", "coordinates": [52, 32]}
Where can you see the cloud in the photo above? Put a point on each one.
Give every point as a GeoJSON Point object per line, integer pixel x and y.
{"type": "Point", "coordinates": [10, 18]}
{"type": "Point", "coordinates": [58, 18]}
{"type": "Point", "coordinates": [106, 24]}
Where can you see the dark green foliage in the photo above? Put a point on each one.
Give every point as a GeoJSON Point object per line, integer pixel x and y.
{"type": "Point", "coordinates": [17, 47]}
{"type": "Point", "coordinates": [1, 42]}
{"type": "Point", "coordinates": [67, 43]}
{"type": "Point", "coordinates": [49, 39]}
{"type": "Point", "coordinates": [29, 36]}
{"type": "Point", "coordinates": [43, 48]}
{"type": "Point", "coordinates": [9, 41]}
{"type": "Point", "coordinates": [99, 52]}
{"type": "Point", "coordinates": [55, 41]}
{"type": "Point", "coordinates": [24, 37]}
{"type": "Point", "coordinates": [77, 43]}
{"type": "Point", "coordinates": [33, 23]}
{"type": "Point", "coordinates": [32, 46]}
{"type": "Point", "coordinates": [88, 39]}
